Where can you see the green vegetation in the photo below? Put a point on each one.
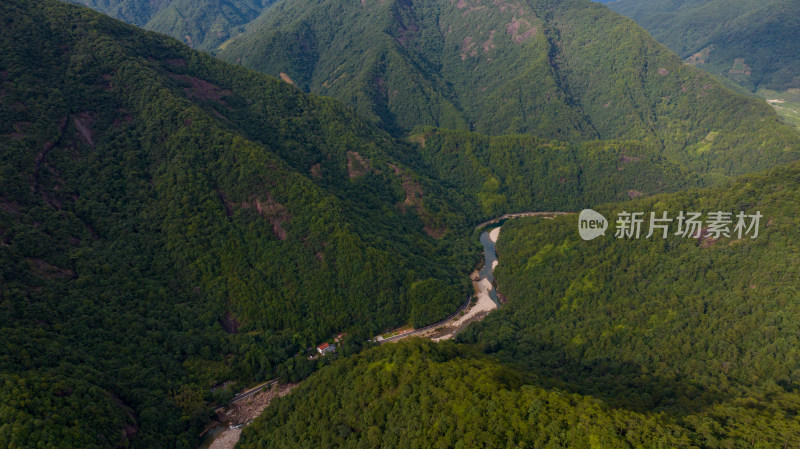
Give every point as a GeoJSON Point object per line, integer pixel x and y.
{"type": "Point", "coordinates": [615, 343]}
{"type": "Point", "coordinates": [169, 222]}
{"type": "Point", "coordinates": [713, 34]}
{"type": "Point", "coordinates": [203, 24]}
{"type": "Point", "coordinates": [702, 330]}
{"type": "Point", "coordinates": [522, 173]}
{"type": "Point", "coordinates": [422, 395]}
{"type": "Point", "coordinates": [569, 70]}
{"type": "Point", "coordinates": [786, 103]}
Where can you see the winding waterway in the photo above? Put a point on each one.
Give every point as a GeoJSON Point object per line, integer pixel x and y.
{"type": "Point", "coordinates": [489, 261]}
{"type": "Point", "coordinates": [486, 300]}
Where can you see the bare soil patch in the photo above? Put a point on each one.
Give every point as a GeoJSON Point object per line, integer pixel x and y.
{"type": "Point", "coordinates": [230, 323]}
{"type": "Point", "coordinates": [634, 194]}
{"type": "Point", "coordinates": [202, 89]}
{"type": "Point", "coordinates": [520, 30]}
{"type": "Point", "coordinates": [45, 270]}
{"type": "Point", "coordinates": [357, 165]}
{"type": "Point", "coordinates": [227, 439]}
{"type": "Point", "coordinates": [273, 212]}
{"type": "Point", "coordinates": [286, 78]}
{"type": "Point", "coordinates": [316, 170]}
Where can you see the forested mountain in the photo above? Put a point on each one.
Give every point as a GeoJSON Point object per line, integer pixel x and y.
{"type": "Point", "coordinates": [714, 34]}
{"type": "Point", "coordinates": [203, 24]}
{"type": "Point", "coordinates": [569, 69]}
{"type": "Point", "coordinates": [613, 343]}
{"type": "Point", "coordinates": [168, 221]}
{"type": "Point", "coordinates": [419, 395]}
{"type": "Point", "coordinates": [685, 326]}
{"type": "Point", "coordinates": [520, 173]}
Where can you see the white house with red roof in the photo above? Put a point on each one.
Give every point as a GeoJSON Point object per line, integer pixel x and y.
{"type": "Point", "coordinates": [326, 348]}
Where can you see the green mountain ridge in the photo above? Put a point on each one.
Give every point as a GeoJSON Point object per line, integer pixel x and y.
{"type": "Point", "coordinates": [169, 222]}
{"type": "Point", "coordinates": [682, 326]}
{"type": "Point", "coordinates": [422, 395]}
{"type": "Point", "coordinates": [523, 173]}
{"type": "Point", "coordinates": [713, 34]}
{"type": "Point", "coordinates": [203, 25]}
{"type": "Point", "coordinates": [650, 343]}
{"type": "Point", "coordinates": [568, 70]}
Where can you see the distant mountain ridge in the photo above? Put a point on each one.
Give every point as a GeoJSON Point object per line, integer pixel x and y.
{"type": "Point", "coordinates": [170, 222]}
{"type": "Point", "coordinates": [202, 24]}
{"type": "Point", "coordinates": [714, 34]}
{"type": "Point", "coordinates": [569, 70]}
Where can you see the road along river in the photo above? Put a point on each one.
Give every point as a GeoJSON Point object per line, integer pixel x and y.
{"type": "Point", "coordinates": [483, 301]}
{"type": "Point", "coordinates": [485, 296]}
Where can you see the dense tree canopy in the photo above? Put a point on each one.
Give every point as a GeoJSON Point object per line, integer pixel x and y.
{"type": "Point", "coordinates": [422, 395]}
{"type": "Point", "coordinates": [704, 326]}
{"type": "Point", "coordinates": [169, 222]}
{"type": "Point", "coordinates": [713, 34]}
{"type": "Point", "coordinates": [203, 24]}
{"type": "Point", "coordinates": [570, 70]}
{"type": "Point", "coordinates": [520, 173]}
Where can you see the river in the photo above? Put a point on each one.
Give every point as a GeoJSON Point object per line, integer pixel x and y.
{"type": "Point", "coordinates": [485, 301]}
{"type": "Point", "coordinates": [489, 240]}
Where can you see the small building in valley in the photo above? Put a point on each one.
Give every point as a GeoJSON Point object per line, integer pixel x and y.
{"type": "Point", "coordinates": [326, 348]}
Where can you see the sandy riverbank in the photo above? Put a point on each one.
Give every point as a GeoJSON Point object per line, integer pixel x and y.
{"type": "Point", "coordinates": [227, 439]}
{"type": "Point", "coordinates": [244, 412]}
{"type": "Point", "coordinates": [494, 234]}
{"type": "Point", "coordinates": [479, 308]}
{"type": "Point", "coordinates": [482, 305]}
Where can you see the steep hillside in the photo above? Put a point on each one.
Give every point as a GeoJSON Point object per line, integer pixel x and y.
{"type": "Point", "coordinates": [714, 34]}
{"type": "Point", "coordinates": [522, 173]}
{"type": "Point", "coordinates": [683, 326]}
{"type": "Point", "coordinates": [169, 222]}
{"type": "Point", "coordinates": [421, 395]}
{"type": "Point", "coordinates": [615, 343]}
{"type": "Point", "coordinates": [203, 24]}
{"type": "Point", "coordinates": [570, 70]}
